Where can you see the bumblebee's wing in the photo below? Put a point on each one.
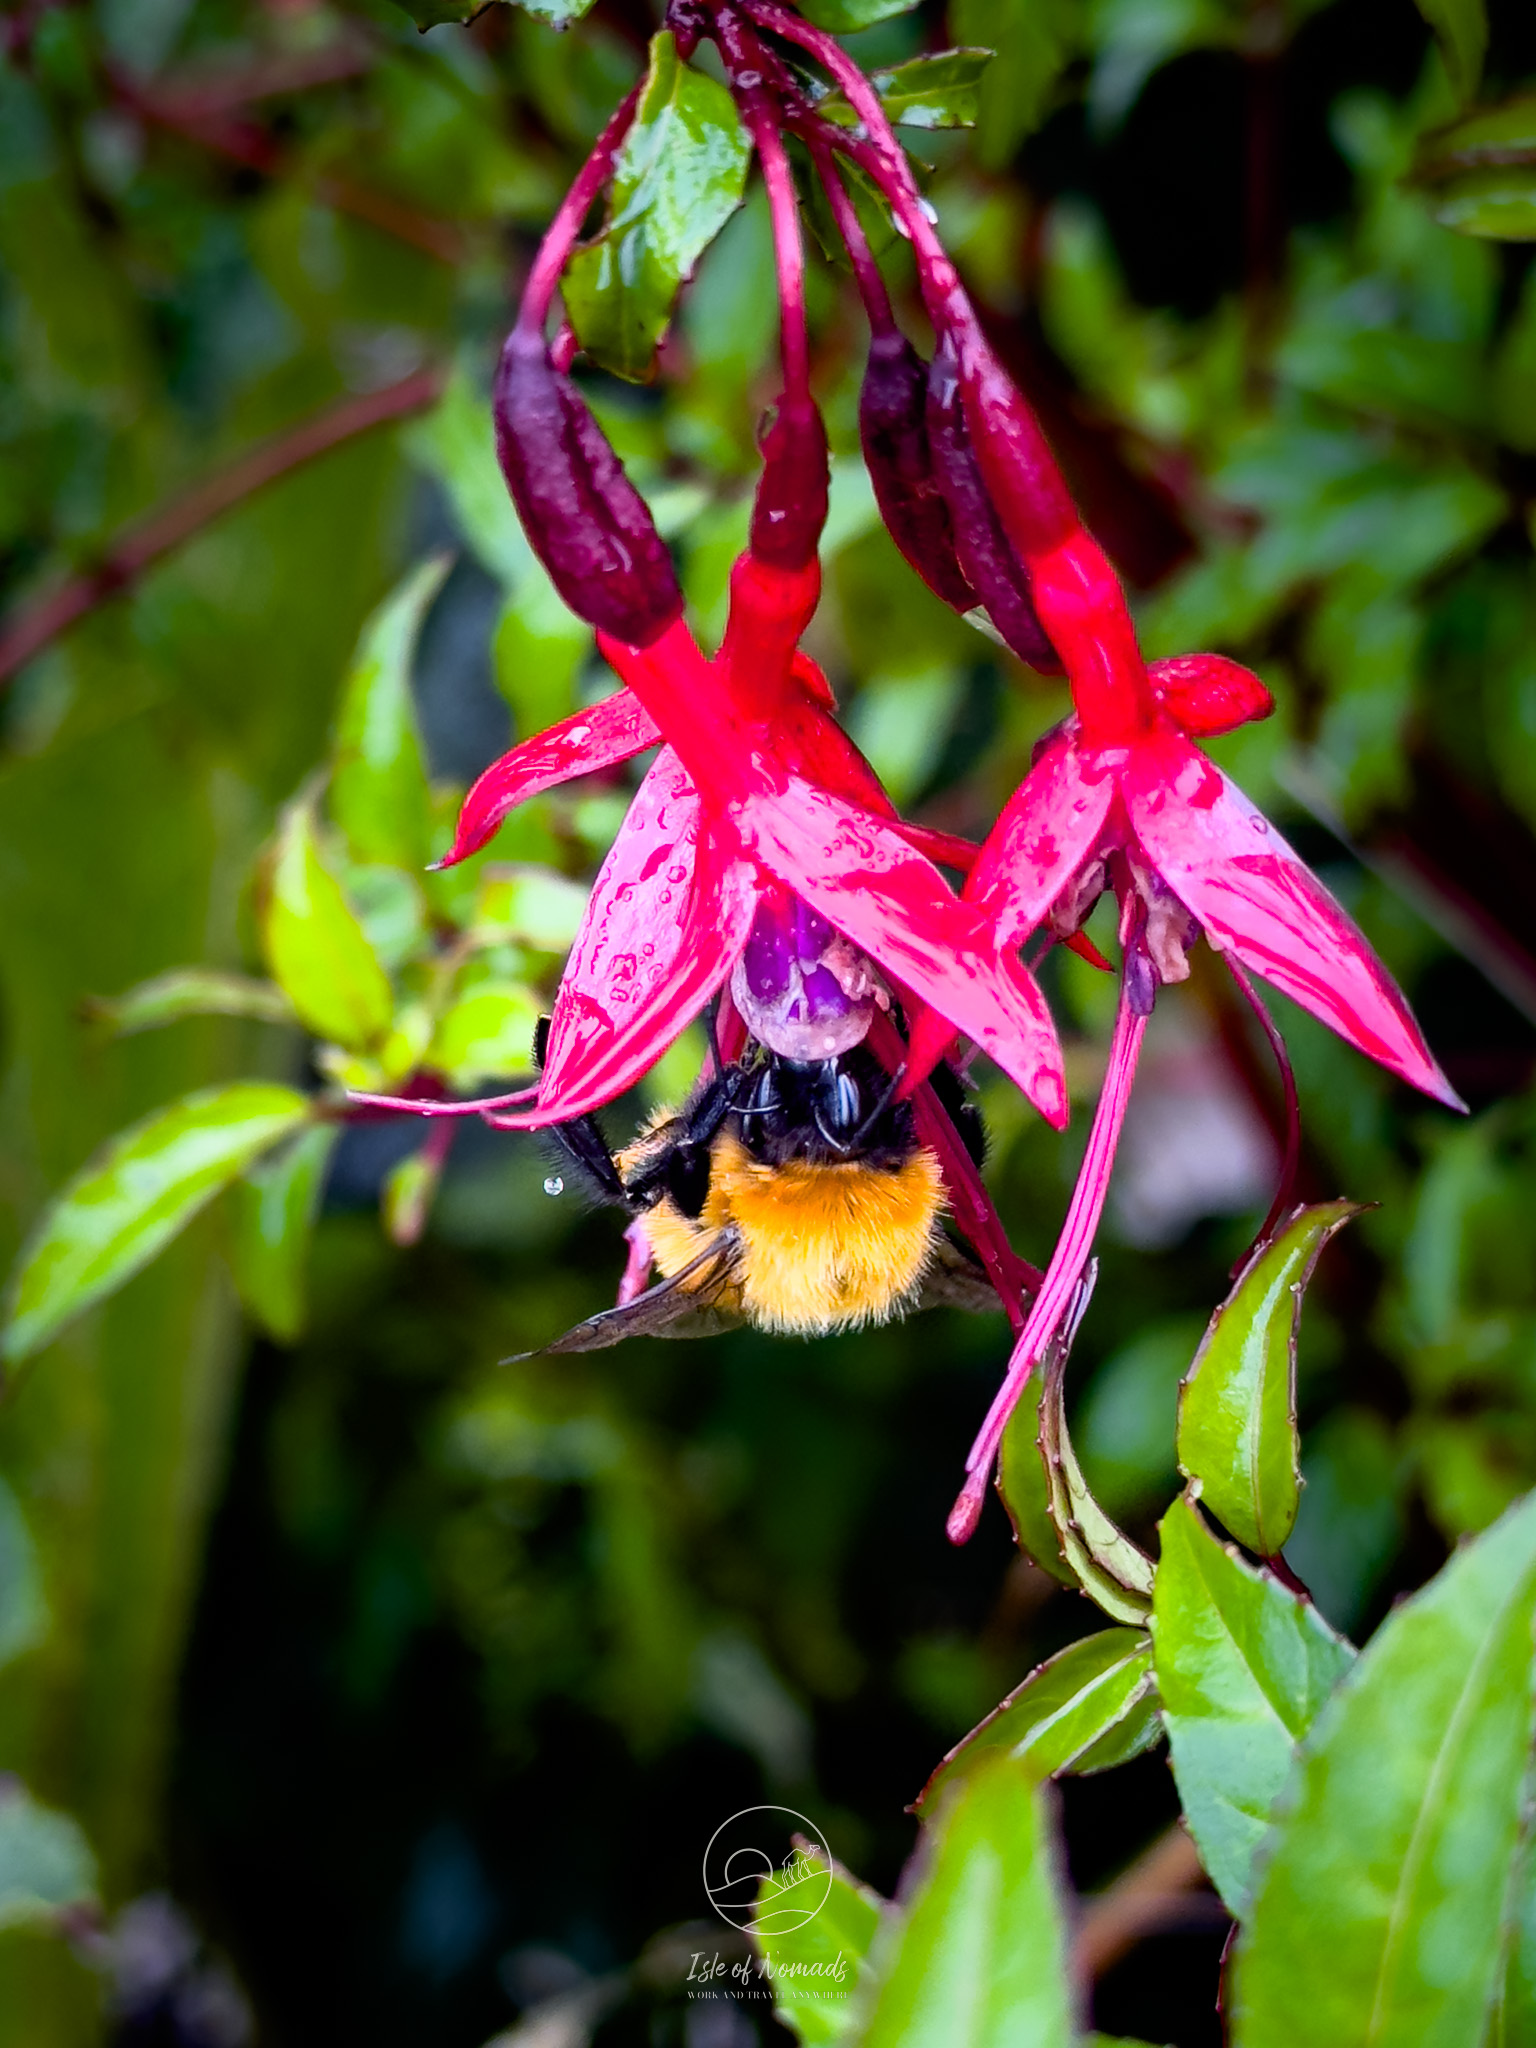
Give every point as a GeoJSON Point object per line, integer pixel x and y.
{"type": "Point", "coordinates": [958, 1280]}
{"type": "Point", "coordinates": [687, 1305]}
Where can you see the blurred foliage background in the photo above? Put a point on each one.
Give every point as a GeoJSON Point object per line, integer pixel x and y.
{"type": "Point", "coordinates": [394, 1689]}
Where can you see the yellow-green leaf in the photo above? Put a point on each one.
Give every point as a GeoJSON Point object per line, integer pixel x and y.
{"type": "Point", "coordinates": [379, 789]}
{"type": "Point", "coordinates": [314, 944]}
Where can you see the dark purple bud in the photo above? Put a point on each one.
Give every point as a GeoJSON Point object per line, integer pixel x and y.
{"type": "Point", "coordinates": [999, 579]}
{"type": "Point", "coordinates": [894, 429]}
{"type": "Point", "coordinates": [584, 519]}
{"type": "Point", "coordinates": [790, 509]}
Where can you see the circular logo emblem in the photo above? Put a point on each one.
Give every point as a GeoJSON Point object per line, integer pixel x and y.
{"type": "Point", "coordinates": [767, 1869]}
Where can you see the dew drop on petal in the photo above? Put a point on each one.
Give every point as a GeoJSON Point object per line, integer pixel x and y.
{"type": "Point", "coordinates": [554, 1185]}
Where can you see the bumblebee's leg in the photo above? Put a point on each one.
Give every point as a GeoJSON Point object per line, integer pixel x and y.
{"type": "Point", "coordinates": [581, 1138]}
{"type": "Point", "coordinates": [687, 1163]}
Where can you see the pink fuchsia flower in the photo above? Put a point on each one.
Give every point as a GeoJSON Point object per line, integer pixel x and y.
{"type": "Point", "coordinates": [758, 808]}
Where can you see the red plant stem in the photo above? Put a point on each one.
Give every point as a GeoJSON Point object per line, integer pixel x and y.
{"type": "Point", "coordinates": [1285, 1192]}
{"type": "Point", "coordinates": [134, 551]}
{"type": "Point", "coordinates": [969, 1201]}
{"type": "Point", "coordinates": [1067, 1261]}
{"type": "Point", "coordinates": [877, 300]}
{"type": "Point", "coordinates": [745, 65]}
{"type": "Point", "coordinates": [572, 212]}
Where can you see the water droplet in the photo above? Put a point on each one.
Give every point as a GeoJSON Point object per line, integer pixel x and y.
{"type": "Point", "coordinates": [1261, 824]}
{"type": "Point", "coordinates": [677, 875]}
{"type": "Point", "coordinates": [554, 1185]}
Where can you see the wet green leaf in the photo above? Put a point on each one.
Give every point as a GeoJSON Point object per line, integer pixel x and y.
{"type": "Point", "coordinates": [1237, 1437]}
{"type": "Point", "coordinates": [1461, 29]}
{"type": "Point", "coordinates": [680, 176]}
{"type": "Point", "coordinates": [1065, 1710]}
{"type": "Point", "coordinates": [429, 13]}
{"type": "Point", "coordinates": [819, 1971]}
{"type": "Point", "coordinates": [45, 1860]}
{"type": "Point", "coordinates": [133, 1197]}
{"type": "Point", "coordinates": [941, 91]}
{"type": "Point", "coordinates": [1378, 1912]}
{"type": "Point", "coordinates": [979, 1958]}
{"type": "Point", "coordinates": [1112, 1570]}
{"type": "Point", "coordinates": [1243, 1666]}
{"type": "Point", "coordinates": [379, 792]}
{"type": "Point", "coordinates": [486, 1035]}
{"type": "Point", "coordinates": [275, 1204]}
{"type": "Point", "coordinates": [191, 992]}
{"type": "Point", "coordinates": [315, 945]}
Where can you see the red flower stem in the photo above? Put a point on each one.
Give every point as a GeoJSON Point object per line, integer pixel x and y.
{"type": "Point", "coordinates": [1285, 1192]}
{"type": "Point", "coordinates": [1067, 1261]}
{"type": "Point", "coordinates": [573, 210]}
{"type": "Point", "coordinates": [970, 1204]}
{"type": "Point", "coordinates": [745, 65]}
{"type": "Point", "coordinates": [877, 300]}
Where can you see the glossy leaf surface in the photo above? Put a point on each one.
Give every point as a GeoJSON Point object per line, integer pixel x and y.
{"type": "Point", "coordinates": [1237, 1436]}
{"type": "Point", "coordinates": [1378, 1915]}
{"type": "Point", "coordinates": [979, 1960]}
{"type": "Point", "coordinates": [45, 1860]}
{"type": "Point", "coordinates": [679, 177]}
{"type": "Point", "coordinates": [1064, 1711]}
{"type": "Point", "coordinates": [941, 91]}
{"type": "Point", "coordinates": [315, 945]}
{"type": "Point", "coordinates": [1114, 1572]}
{"type": "Point", "coordinates": [275, 1203]}
{"type": "Point", "coordinates": [1243, 1667]}
{"type": "Point", "coordinates": [379, 794]}
{"type": "Point", "coordinates": [820, 1971]}
{"type": "Point", "coordinates": [134, 1196]}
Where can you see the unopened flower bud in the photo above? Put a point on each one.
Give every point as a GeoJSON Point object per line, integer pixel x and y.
{"type": "Point", "coordinates": [584, 519]}
{"type": "Point", "coordinates": [990, 565]}
{"type": "Point", "coordinates": [790, 509]}
{"type": "Point", "coordinates": [894, 430]}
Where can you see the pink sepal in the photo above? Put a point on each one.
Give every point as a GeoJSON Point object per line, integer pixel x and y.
{"type": "Point", "coordinates": [861, 874]}
{"type": "Point", "coordinates": [1253, 894]}
{"type": "Point", "coordinates": [1049, 827]}
{"type": "Point", "coordinates": [613, 731]}
{"type": "Point", "coordinates": [669, 912]}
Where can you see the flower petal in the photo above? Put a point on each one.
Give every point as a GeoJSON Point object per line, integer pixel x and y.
{"type": "Point", "coordinates": [669, 913]}
{"type": "Point", "coordinates": [1207, 694]}
{"type": "Point", "coordinates": [859, 872]}
{"type": "Point", "coordinates": [615, 730]}
{"type": "Point", "coordinates": [1049, 827]}
{"type": "Point", "coordinates": [1256, 896]}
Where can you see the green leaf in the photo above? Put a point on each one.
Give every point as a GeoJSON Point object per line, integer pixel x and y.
{"type": "Point", "coordinates": [23, 1608]}
{"type": "Point", "coordinates": [941, 91]}
{"type": "Point", "coordinates": [134, 1196]}
{"type": "Point", "coordinates": [315, 945]}
{"type": "Point", "coordinates": [1480, 172]}
{"type": "Point", "coordinates": [847, 17]}
{"type": "Point", "coordinates": [1243, 1667]}
{"type": "Point", "coordinates": [819, 1970]}
{"type": "Point", "coordinates": [410, 1188]}
{"type": "Point", "coordinates": [528, 907]}
{"type": "Point", "coordinates": [1495, 205]}
{"type": "Point", "coordinates": [45, 1861]}
{"type": "Point", "coordinates": [379, 791]}
{"type": "Point", "coordinates": [1378, 1914]}
{"type": "Point", "coordinates": [275, 1204]}
{"type": "Point", "coordinates": [680, 176]}
{"type": "Point", "coordinates": [1035, 41]}
{"type": "Point", "coordinates": [1065, 1711]}
{"type": "Point", "coordinates": [486, 1035]}
{"type": "Point", "coordinates": [1461, 29]}
{"type": "Point", "coordinates": [1113, 1571]}
{"type": "Point", "coordinates": [979, 1958]}
{"type": "Point", "coordinates": [191, 992]}
{"type": "Point", "coordinates": [1237, 1437]}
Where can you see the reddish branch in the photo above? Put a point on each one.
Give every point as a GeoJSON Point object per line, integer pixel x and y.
{"type": "Point", "coordinates": [142, 545]}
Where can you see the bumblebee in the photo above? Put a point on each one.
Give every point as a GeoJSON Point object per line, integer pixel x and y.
{"type": "Point", "coordinates": [793, 1195]}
